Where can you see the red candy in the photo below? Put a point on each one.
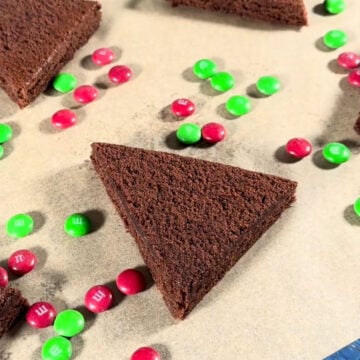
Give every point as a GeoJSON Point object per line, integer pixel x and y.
{"type": "Point", "coordinates": [354, 78]}
{"type": "Point", "coordinates": [64, 119]}
{"type": "Point", "coordinates": [85, 94]}
{"type": "Point", "coordinates": [21, 262]}
{"type": "Point", "coordinates": [298, 147]}
{"type": "Point", "coordinates": [103, 56]}
{"type": "Point", "coordinates": [348, 60]}
{"type": "Point", "coordinates": [41, 315]}
{"type": "Point", "coordinates": [4, 278]}
{"type": "Point", "coordinates": [213, 132]}
{"type": "Point", "coordinates": [130, 282]}
{"type": "Point", "coordinates": [98, 298]}
{"type": "Point", "coordinates": [182, 107]}
{"type": "Point", "coordinates": [145, 353]}
{"type": "Point", "coordinates": [120, 74]}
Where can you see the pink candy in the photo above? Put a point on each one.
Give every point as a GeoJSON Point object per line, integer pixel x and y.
{"type": "Point", "coordinates": [98, 299]}
{"type": "Point", "coordinates": [64, 119]}
{"type": "Point", "coordinates": [130, 282]}
{"type": "Point", "coordinates": [4, 277]}
{"type": "Point", "coordinates": [182, 107]}
{"type": "Point", "coordinates": [41, 315]}
{"type": "Point", "coordinates": [103, 56]}
{"type": "Point", "coordinates": [213, 132]}
{"type": "Point", "coordinates": [120, 74]}
{"type": "Point", "coordinates": [348, 60]}
{"type": "Point", "coordinates": [21, 262]}
{"type": "Point", "coordinates": [85, 94]}
{"type": "Point", "coordinates": [299, 147]}
{"type": "Point", "coordinates": [354, 78]}
{"type": "Point", "coordinates": [145, 353]}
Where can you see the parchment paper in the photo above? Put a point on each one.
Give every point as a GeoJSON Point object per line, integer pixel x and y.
{"type": "Point", "coordinates": [296, 293]}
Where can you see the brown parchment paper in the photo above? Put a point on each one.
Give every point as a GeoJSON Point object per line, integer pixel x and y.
{"type": "Point", "coordinates": [296, 293]}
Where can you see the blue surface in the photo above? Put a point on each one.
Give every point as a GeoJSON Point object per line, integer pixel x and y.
{"type": "Point", "coordinates": [350, 352]}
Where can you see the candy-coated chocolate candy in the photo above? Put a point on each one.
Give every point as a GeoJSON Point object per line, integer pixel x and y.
{"type": "Point", "coordinates": [77, 225]}
{"type": "Point", "coordinates": [130, 282]}
{"type": "Point", "coordinates": [354, 78]}
{"type": "Point", "coordinates": [299, 147]}
{"type": "Point", "coordinates": [222, 81]}
{"type": "Point", "coordinates": [4, 277]}
{"type": "Point", "coordinates": [268, 85]}
{"type": "Point", "coordinates": [204, 68]}
{"type": "Point", "coordinates": [2, 151]}
{"type": "Point", "coordinates": [6, 133]}
{"type": "Point", "coordinates": [145, 353]}
{"type": "Point", "coordinates": [213, 132]}
{"type": "Point", "coordinates": [85, 94]}
{"type": "Point", "coordinates": [189, 133]}
{"type": "Point", "coordinates": [69, 323]}
{"type": "Point", "coordinates": [99, 298]}
{"type": "Point", "coordinates": [182, 107]}
{"type": "Point", "coordinates": [356, 208]}
{"type": "Point", "coordinates": [65, 82]}
{"type": "Point", "coordinates": [348, 60]}
{"type": "Point", "coordinates": [64, 119]}
{"type": "Point", "coordinates": [336, 153]}
{"type": "Point", "coordinates": [19, 225]}
{"type": "Point", "coordinates": [103, 56]}
{"type": "Point", "coordinates": [120, 74]}
{"type": "Point", "coordinates": [21, 262]}
{"type": "Point", "coordinates": [56, 348]}
{"type": "Point", "coordinates": [238, 105]}
{"type": "Point", "coordinates": [335, 39]}
{"type": "Point", "coordinates": [335, 6]}
{"type": "Point", "coordinates": [41, 315]}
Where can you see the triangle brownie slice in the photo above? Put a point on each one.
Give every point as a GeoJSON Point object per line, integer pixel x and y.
{"type": "Point", "coordinates": [284, 12]}
{"type": "Point", "coordinates": [192, 219]}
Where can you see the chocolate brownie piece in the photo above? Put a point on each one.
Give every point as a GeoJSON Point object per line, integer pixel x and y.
{"type": "Point", "coordinates": [12, 307]}
{"type": "Point", "coordinates": [37, 38]}
{"type": "Point", "coordinates": [357, 125]}
{"type": "Point", "coordinates": [192, 219]}
{"type": "Point", "coordinates": [285, 12]}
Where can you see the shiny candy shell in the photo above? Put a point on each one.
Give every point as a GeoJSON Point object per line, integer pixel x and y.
{"type": "Point", "coordinates": [20, 225]}
{"type": "Point", "coordinates": [6, 133]}
{"type": "Point", "coordinates": [213, 132]}
{"type": "Point", "coordinates": [336, 153]}
{"type": "Point", "coordinates": [4, 277]}
{"type": "Point", "coordinates": [65, 82]}
{"type": "Point", "coordinates": [298, 147]}
{"type": "Point", "coordinates": [335, 39]}
{"type": "Point", "coordinates": [182, 107]}
{"type": "Point", "coordinates": [356, 208]}
{"type": "Point", "coordinates": [354, 78]}
{"type": "Point", "coordinates": [21, 262]}
{"type": "Point", "coordinates": [348, 60]}
{"type": "Point", "coordinates": [130, 282]}
{"type": "Point", "coordinates": [103, 56]}
{"type": "Point", "coordinates": [145, 353]}
{"type": "Point", "coordinates": [77, 225]}
{"type": "Point", "coordinates": [56, 348]}
{"type": "Point", "coordinates": [222, 81]}
{"type": "Point", "coordinates": [41, 315]}
{"type": "Point", "coordinates": [98, 299]}
{"type": "Point", "coordinates": [120, 74]}
{"type": "Point", "coordinates": [69, 323]}
{"type": "Point", "coordinates": [64, 119]}
{"type": "Point", "coordinates": [85, 94]}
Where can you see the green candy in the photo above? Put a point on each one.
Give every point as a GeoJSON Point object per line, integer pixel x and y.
{"type": "Point", "coordinates": [335, 39]}
{"type": "Point", "coordinates": [77, 225]}
{"type": "Point", "coordinates": [336, 153]}
{"type": "Point", "coordinates": [64, 82]}
{"type": "Point", "coordinates": [335, 6]}
{"type": "Point", "coordinates": [56, 348]}
{"type": "Point", "coordinates": [238, 105]}
{"type": "Point", "coordinates": [357, 207]}
{"type": "Point", "coordinates": [19, 225]}
{"type": "Point", "coordinates": [69, 323]}
{"type": "Point", "coordinates": [189, 133]}
{"type": "Point", "coordinates": [222, 81]}
{"type": "Point", "coordinates": [6, 133]}
{"type": "Point", "coordinates": [204, 68]}
{"type": "Point", "coordinates": [1, 152]}
{"type": "Point", "coordinates": [268, 85]}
